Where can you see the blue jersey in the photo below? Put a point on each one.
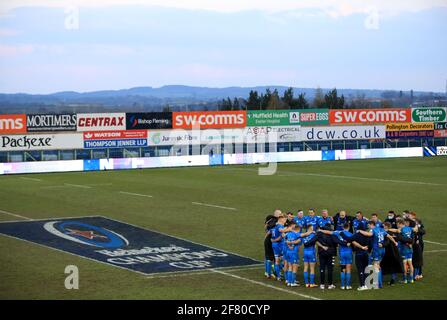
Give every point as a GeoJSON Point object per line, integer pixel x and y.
{"type": "Point", "coordinates": [344, 247]}
{"type": "Point", "coordinates": [290, 237]}
{"type": "Point", "coordinates": [406, 232]}
{"type": "Point", "coordinates": [276, 232]}
{"type": "Point", "coordinates": [311, 221]}
{"type": "Point", "coordinates": [324, 221]}
{"type": "Point", "coordinates": [300, 222]}
{"type": "Point", "coordinates": [308, 239]}
{"type": "Point", "coordinates": [378, 238]}
{"type": "Point", "coordinates": [356, 223]}
{"type": "Point", "coordinates": [341, 223]}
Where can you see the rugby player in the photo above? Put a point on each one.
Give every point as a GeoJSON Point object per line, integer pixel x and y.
{"type": "Point", "coordinates": [311, 220]}
{"type": "Point", "coordinates": [359, 220]}
{"type": "Point", "coordinates": [309, 258]}
{"type": "Point", "coordinates": [293, 242]}
{"type": "Point", "coordinates": [340, 219]}
{"type": "Point", "coordinates": [378, 246]}
{"type": "Point", "coordinates": [278, 243]}
{"type": "Point", "coordinates": [324, 219]}
{"type": "Point", "coordinates": [269, 224]}
{"type": "Point", "coordinates": [406, 247]}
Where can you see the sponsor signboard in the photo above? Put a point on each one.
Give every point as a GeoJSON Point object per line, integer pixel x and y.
{"type": "Point", "coordinates": [268, 118]}
{"type": "Point", "coordinates": [209, 120]}
{"type": "Point", "coordinates": [272, 134]}
{"type": "Point", "coordinates": [101, 121]}
{"type": "Point", "coordinates": [440, 126]}
{"type": "Point", "coordinates": [409, 126]}
{"type": "Point", "coordinates": [195, 137]}
{"type": "Point", "coordinates": [305, 117]}
{"type": "Point", "coordinates": [429, 114]}
{"type": "Point", "coordinates": [115, 139]}
{"type": "Point", "coordinates": [309, 117]}
{"type": "Point", "coordinates": [51, 122]}
{"type": "Point", "coordinates": [12, 123]}
{"type": "Point", "coordinates": [358, 116]}
{"type": "Point", "coordinates": [441, 151]}
{"type": "Point", "coordinates": [410, 134]}
{"type": "Point", "coordinates": [224, 136]}
{"type": "Point", "coordinates": [122, 245]}
{"type": "Point", "coordinates": [41, 142]}
{"type": "Point", "coordinates": [343, 133]}
{"type": "Point", "coordinates": [440, 133]}
{"type": "Point", "coordinates": [148, 120]}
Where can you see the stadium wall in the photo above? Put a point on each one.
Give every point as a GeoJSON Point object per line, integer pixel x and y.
{"type": "Point", "coordinates": [205, 160]}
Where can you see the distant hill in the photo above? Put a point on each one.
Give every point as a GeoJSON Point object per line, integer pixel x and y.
{"type": "Point", "coordinates": [178, 97]}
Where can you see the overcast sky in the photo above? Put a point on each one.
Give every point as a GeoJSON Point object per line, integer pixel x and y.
{"type": "Point", "coordinates": [56, 45]}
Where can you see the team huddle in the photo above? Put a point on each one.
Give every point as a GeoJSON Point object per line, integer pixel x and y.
{"type": "Point", "coordinates": [392, 247]}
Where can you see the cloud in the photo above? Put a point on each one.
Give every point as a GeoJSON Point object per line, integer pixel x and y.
{"type": "Point", "coordinates": [334, 8]}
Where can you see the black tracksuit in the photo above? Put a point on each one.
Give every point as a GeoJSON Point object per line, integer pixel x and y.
{"type": "Point", "coordinates": [270, 222]}
{"type": "Point", "coordinates": [418, 247]}
{"type": "Point", "coordinates": [361, 256]}
{"type": "Point", "coordinates": [326, 257]}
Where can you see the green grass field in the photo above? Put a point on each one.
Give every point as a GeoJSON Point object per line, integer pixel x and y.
{"type": "Point", "coordinates": [30, 271]}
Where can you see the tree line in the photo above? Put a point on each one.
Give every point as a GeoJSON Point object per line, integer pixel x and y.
{"type": "Point", "coordinates": [271, 100]}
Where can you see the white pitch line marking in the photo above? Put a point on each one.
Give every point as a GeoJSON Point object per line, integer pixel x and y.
{"type": "Point", "coordinates": [31, 179]}
{"type": "Point", "coordinates": [264, 284]}
{"type": "Point", "coordinates": [438, 243]}
{"type": "Point", "coordinates": [212, 205]}
{"type": "Point", "coordinates": [290, 173]}
{"type": "Point", "coordinates": [77, 185]}
{"type": "Point", "coordinates": [359, 178]}
{"type": "Point", "coordinates": [431, 251]}
{"type": "Point", "coordinates": [136, 194]}
{"type": "Point", "coordinates": [15, 215]}
{"type": "Point", "coordinates": [200, 272]}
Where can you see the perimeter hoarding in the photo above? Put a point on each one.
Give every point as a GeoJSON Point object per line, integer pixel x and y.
{"type": "Point", "coordinates": [410, 126]}
{"type": "Point", "coordinates": [410, 134]}
{"type": "Point", "coordinates": [343, 133]}
{"type": "Point", "coordinates": [309, 117]}
{"type": "Point", "coordinates": [12, 123]}
{"type": "Point", "coordinates": [51, 122]}
{"type": "Point", "coordinates": [41, 142]}
{"type": "Point", "coordinates": [115, 139]}
{"type": "Point", "coordinates": [368, 116]}
{"type": "Point", "coordinates": [101, 121]}
{"type": "Point", "coordinates": [305, 117]}
{"type": "Point", "coordinates": [209, 120]}
{"type": "Point", "coordinates": [148, 120]}
{"type": "Point", "coordinates": [268, 118]}
{"type": "Point", "coordinates": [429, 114]}
{"type": "Point", "coordinates": [271, 134]}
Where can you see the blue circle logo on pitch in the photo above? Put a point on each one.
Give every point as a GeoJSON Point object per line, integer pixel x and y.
{"type": "Point", "coordinates": [86, 234]}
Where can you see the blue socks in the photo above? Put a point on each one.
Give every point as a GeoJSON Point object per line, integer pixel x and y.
{"type": "Point", "coordinates": [306, 279]}
{"type": "Point", "coordinates": [312, 278]}
{"type": "Point", "coordinates": [277, 271]}
{"type": "Point", "coordinates": [348, 279]}
{"type": "Point", "coordinates": [342, 277]}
